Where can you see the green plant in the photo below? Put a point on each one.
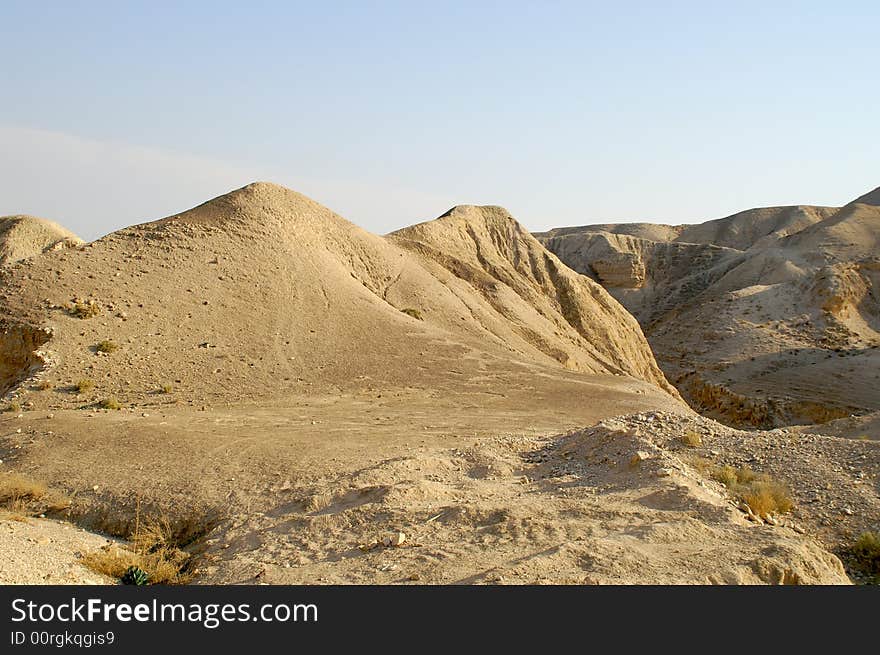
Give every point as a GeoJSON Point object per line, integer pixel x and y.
{"type": "Point", "coordinates": [106, 346]}
{"type": "Point", "coordinates": [84, 385]}
{"type": "Point", "coordinates": [415, 313]}
{"type": "Point", "coordinates": [110, 403]}
{"type": "Point", "coordinates": [135, 575]}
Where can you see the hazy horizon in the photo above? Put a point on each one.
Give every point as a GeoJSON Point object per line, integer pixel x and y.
{"type": "Point", "coordinates": [389, 115]}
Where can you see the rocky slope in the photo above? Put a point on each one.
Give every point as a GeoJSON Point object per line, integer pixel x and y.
{"type": "Point", "coordinates": [769, 317]}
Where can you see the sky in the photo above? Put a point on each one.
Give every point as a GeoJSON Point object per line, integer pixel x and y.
{"type": "Point", "coordinates": [566, 113]}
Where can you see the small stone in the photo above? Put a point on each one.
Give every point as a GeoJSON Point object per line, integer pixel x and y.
{"type": "Point", "coordinates": [95, 488]}
{"type": "Point", "coordinates": [847, 511]}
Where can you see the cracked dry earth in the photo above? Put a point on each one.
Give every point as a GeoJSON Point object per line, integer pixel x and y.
{"type": "Point", "coordinates": [615, 503]}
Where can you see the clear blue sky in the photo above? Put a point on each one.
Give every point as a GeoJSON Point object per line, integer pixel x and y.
{"type": "Point", "coordinates": [390, 112]}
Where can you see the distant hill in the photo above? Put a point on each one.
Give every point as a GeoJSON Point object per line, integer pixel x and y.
{"type": "Point", "coordinates": [767, 317]}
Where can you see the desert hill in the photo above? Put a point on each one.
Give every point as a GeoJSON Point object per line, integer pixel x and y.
{"type": "Point", "coordinates": [768, 317]}
{"type": "Point", "coordinates": [286, 390]}
{"type": "Point", "coordinates": [267, 291]}
{"type": "Point", "coordinates": [25, 236]}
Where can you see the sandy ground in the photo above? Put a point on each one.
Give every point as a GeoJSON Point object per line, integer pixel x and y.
{"type": "Point", "coordinates": [36, 551]}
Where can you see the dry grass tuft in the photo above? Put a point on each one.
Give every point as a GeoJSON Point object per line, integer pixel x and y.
{"type": "Point", "coordinates": [692, 439]}
{"type": "Point", "coordinates": [44, 385]}
{"type": "Point", "coordinates": [701, 464]}
{"type": "Point", "coordinates": [84, 308]}
{"type": "Point", "coordinates": [17, 490]}
{"type": "Point", "coordinates": [319, 502]}
{"type": "Point", "coordinates": [14, 407]}
{"type": "Point", "coordinates": [110, 403]}
{"type": "Point", "coordinates": [765, 497]}
{"type": "Point", "coordinates": [22, 496]}
{"type": "Point", "coordinates": [106, 346]}
{"type": "Point", "coordinates": [167, 387]}
{"type": "Point", "coordinates": [84, 385]}
{"type": "Point", "coordinates": [763, 494]}
{"type": "Point", "coordinates": [865, 553]}
{"type": "Point", "coordinates": [152, 548]}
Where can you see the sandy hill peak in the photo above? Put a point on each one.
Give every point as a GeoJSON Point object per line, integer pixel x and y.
{"type": "Point", "coordinates": [870, 198]}
{"type": "Point", "coordinates": [263, 291]}
{"type": "Point", "coordinates": [25, 236]}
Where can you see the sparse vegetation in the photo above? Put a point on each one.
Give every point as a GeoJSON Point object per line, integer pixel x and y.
{"type": "Point", "coordinates": [692, 439]}
{"type": "Point", "coordinates": [166, 387]}
{"type": "Point", "coordinates": [84, 308]}
{"type": "Point", "coordinates": [151, 557]}
{"type": "Point", "coordinates": [44, 385]}
{"type": "Point", "coordinates": [17, 491]}
{"type": "Point", "coordinates": [13, 407]}
{"type": "Point", "coordinates": [865, 553]}
{"type": "Point", "coordinates": [110, 403]}
{"type": "Point", "coordinates": [84, 385]}
{"type": "Point", "coordinates": [762, 494]}
{"type": "Point", "coordinates": [701, 464]}
{"type": "Point", "coordinates": [106, 346]}
{"type": "Point", "coordinates": [415, 313]}
{"type": "Point", "coordinates": [22, 496]}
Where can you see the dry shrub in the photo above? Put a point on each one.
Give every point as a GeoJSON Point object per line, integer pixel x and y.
{"type": "Point", "coordinates": [84, 385]}
{"type": "Point", "coordinates": [110, 403]}
{"type": "Point", "coordinates": [692, 439]}
{"type": "Point", "coordinates": [84, 308]}
{"type": "Point", "coordinates": [166, 388]}
{"type": "Point", "coordinates": [13, 407]}
{"type": "Point", "coordinates": [152, 548]}
{"type": "Point", "coordinates": [726, 475]}
{"type": "Point", "coordinates": [760, 492]}
{"type": "Point", "coordinates": [765, 497]}
{"type": "Point", "coordinates": [701, 464]}
{"type": "Point", "coordinates": [865, 553]}
{"type": "Point", "coordinates": [17, 490]}
{"type": "Point", "coordinates": [107, 346]}
{"type": "Point", "coordinates": [22, 495]}
{"type": "Point", "coordinates": [44, 385]}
